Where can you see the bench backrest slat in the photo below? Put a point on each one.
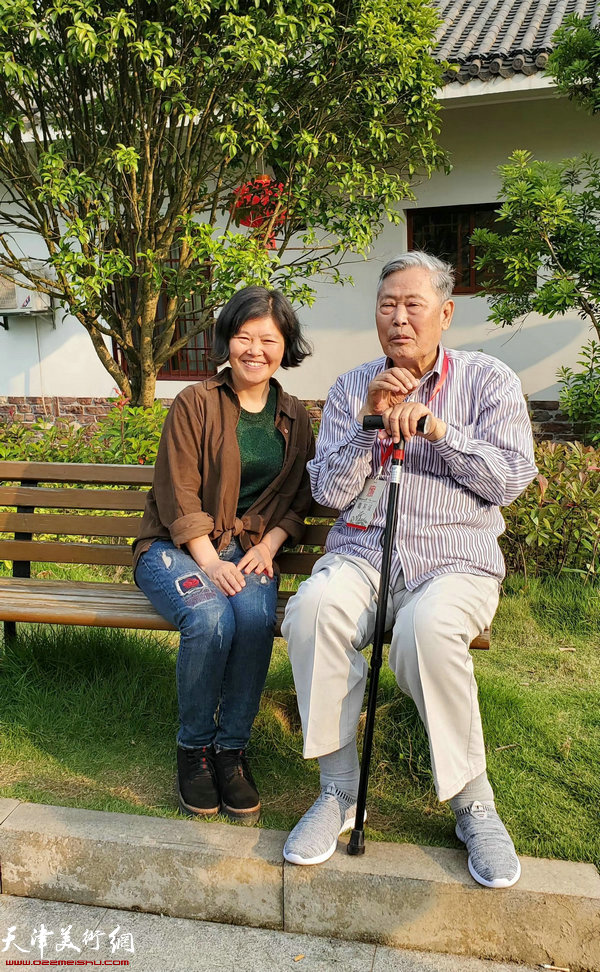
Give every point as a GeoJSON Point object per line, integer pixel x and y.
{"type": "Point", "coordinates": [54, 552]}
{"type": "Point", "coordinates": [78, 525]}
{"type": "Point", "coordinates": [315, 535]}
{"type": "Point", "coordinates": [325, 512]}
{"type": "Point", "coordinates": [297, 563]}
{"type": "Point", "coordinates": [73, 499]}
{"type": "Point", "coordinates": [74, 472]}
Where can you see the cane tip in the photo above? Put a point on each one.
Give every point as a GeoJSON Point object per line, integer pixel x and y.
{"type": "Point", "coordinates": [356, 844]}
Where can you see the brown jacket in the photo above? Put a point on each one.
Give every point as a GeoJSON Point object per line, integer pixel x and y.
{"type": "Point", "coordinates": [198, 470]}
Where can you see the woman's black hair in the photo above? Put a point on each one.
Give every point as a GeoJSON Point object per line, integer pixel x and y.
{"type": "Point", "coordinates": [253, 302]}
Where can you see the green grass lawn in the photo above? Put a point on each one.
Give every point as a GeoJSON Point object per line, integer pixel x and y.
{"type": "Point", "coordinates": [88, 719]}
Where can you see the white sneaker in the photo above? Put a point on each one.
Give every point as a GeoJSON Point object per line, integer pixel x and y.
{"type": "Point", "coordinates": [493, 860]}
{"type": "Point", "coordinates": [314, 838]}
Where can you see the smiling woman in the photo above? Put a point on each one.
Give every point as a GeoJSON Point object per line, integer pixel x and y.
{"type": "Point", "coordinates": [230, 487]}
{"type": "Point", "coordinates": [255, 354]}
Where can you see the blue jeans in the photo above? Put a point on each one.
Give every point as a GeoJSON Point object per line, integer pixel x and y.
{"type": "Point", "coordinates": [225, 643]}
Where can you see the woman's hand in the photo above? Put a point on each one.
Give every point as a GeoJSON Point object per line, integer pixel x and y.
{"type": "Point", "coordinates": [225, 575]}
{"type": "Point", "coordinates": [258, 559]}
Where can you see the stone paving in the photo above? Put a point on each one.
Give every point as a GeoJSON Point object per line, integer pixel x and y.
{"type": "Point", "coordinates": [151, 943]}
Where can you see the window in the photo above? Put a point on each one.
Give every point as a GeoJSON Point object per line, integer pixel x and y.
{"type": "Point", "coordinates": [193, 361]}
{"type": "Point", "coordinates": [445, 231]}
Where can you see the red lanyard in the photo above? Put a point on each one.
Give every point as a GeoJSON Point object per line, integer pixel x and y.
{"type": "Point", "coordinates": [385, 455]}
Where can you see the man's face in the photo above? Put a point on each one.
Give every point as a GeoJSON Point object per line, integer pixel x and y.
{"type": "Point", "coordinates": [410, 319]}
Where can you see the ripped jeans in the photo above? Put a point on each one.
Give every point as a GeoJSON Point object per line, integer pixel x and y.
{"type": "Point", "coordinates": [225, 643]}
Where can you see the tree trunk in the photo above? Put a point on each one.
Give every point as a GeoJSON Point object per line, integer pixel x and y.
{"type": "Point", "coordinates": [147, 390]}
{"type": "Point", "coordinates": [143, 385]}
{"type": "Point", "coordinates": [144, 389]}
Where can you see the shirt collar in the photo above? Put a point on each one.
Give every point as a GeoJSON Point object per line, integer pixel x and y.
{"type": "Point", "coordinates": [439, 361]}
{"type": "Point", "coordinates": [224, 377]}
{"type": "Point", "coordinates": [437, 368]}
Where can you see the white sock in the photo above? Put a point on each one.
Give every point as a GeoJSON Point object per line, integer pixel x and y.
{"type": "Point", "coordinates": [342, 769]}
{"type": "Point", "coordinates": [478, 789]}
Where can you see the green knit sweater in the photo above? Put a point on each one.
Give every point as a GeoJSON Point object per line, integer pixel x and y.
{"type": "Point", "coordinates": [262, 450]}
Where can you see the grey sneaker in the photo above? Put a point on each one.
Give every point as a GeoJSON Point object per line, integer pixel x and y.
{"type": "Point", "coordinates": [493, 860]}
{"type": "Point", "coordinates": [314, 838]}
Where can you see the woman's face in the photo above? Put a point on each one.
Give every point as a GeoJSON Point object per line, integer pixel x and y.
{"type": "Point", "coordinates": [255, 352]}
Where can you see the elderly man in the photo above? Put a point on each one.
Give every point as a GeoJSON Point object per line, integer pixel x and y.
{"type": "Point", "coordinates": [476, 455]}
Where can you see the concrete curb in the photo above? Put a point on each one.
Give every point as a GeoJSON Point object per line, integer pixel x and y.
{"type": "Point", "coordinates": [397, 894]}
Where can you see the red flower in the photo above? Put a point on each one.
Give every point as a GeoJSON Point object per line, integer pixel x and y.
{"type": "Point", "coordinates": [255, 202]}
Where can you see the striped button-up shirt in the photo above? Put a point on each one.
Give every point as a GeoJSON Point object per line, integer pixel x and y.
{"type": "Point", "coordinates": [450, 490]}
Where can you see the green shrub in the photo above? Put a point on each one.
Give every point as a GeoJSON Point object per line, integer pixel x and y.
{"type": "Point", "coordinates": [554, 526]}
{"type": "Point", "coordinates": [126, 435]}
{"type": "Point", "coordinates": [580, 392]}
{"type": "Point", "coordinates": [59, 440]}
{"type": "Point", "coordinates": [129, 434]}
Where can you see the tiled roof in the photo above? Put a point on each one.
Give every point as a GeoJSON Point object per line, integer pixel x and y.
{"type": "Point", "coordinates": [493, 38]}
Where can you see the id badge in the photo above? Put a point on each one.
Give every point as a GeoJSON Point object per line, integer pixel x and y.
{"type": "Point", "coordinates": [363, 511]}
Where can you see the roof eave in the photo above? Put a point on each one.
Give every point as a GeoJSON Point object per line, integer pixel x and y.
{"type": "Point", "coordinates": [519, 87]}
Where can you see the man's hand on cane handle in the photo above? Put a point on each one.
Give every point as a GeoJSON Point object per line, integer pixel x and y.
{"type": "Point", "coordinates": [400, 421]}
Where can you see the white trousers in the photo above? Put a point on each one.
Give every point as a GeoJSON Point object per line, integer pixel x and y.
{"type": "Point", "coordinates": [332, 617]}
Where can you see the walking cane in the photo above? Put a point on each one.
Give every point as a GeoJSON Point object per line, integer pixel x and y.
{"type": "Point", "coordinates": [356, 844]}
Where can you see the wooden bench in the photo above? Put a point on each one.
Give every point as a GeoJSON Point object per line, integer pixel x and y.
{"type": "Point", "coordinates": [71, 513]}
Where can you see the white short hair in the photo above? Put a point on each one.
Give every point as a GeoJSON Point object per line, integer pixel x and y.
{"type": "Point", "coordinates": [442, 273]}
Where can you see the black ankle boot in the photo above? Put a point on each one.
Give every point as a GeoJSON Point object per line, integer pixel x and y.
{"type": "Point", "coordinates": [197, 782]}
{"type": "Point", "coordinates": [239, 796]}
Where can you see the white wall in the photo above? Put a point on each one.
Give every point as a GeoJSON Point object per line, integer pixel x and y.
{"type": "Point", "coordinates": [38, 359]}
{"type": "Point", "coordinates": [48, 354]}
{"type": "Point", "coordinates": [340, 325]}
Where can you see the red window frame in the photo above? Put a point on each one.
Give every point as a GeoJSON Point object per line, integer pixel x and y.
{"type": "Point", "coordinates": [192, 362]}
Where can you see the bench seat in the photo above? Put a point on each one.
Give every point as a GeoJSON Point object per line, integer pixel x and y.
{"type": "Point", "coordinates": [39, 601]}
